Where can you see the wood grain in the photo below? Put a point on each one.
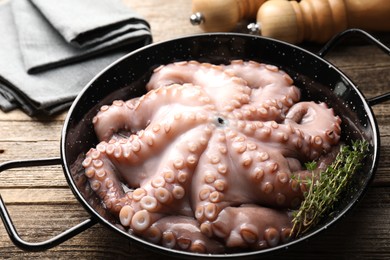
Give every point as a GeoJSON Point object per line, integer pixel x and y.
{"type": "Point", "coordinates": [42, 205]}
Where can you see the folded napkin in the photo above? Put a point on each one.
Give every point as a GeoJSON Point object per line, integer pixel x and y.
{"type": "Point", "coordinates": [50, 49]}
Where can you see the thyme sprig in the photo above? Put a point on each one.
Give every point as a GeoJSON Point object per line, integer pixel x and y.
{"type": "Point", "coordinates": [324, 189]}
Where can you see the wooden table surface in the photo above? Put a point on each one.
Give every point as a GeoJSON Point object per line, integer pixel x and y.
{"type": "Point", "coordinates": [42, 205]}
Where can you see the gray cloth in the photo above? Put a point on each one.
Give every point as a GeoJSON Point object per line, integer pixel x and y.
{"type": "Point", "coordinates": [92, 22]}
{"type": "Point", "coordinates": [49, 53]}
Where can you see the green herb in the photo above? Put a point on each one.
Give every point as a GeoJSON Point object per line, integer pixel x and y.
{"type": "Point", "coordinates": [324, 189]}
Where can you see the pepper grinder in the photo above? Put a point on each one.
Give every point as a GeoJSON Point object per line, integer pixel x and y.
{"type": "Point", "coordinates": [292, 21]}
{"type": "Point", "coordinates": [319, 20]}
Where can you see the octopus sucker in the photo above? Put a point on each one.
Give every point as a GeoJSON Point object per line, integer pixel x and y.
{"type": "Point", "coordinates": [209, 158]}
{"type": "Point", "coordinates": [142, 220]}
{"type": "Point", "coordinates": [126, 215]}
{"type": "Point", "coordinates": [249, 233]}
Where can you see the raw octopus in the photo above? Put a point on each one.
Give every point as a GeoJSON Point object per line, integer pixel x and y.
{"type": "Point", "coordinates": [210, 157]}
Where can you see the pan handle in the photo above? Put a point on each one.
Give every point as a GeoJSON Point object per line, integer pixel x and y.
{"type": "Point", "coordinates": [339, 37]}
{"type": "Point", "coordinates": [9, 226]}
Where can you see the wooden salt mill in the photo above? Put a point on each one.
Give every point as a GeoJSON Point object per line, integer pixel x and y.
{"type": "Point", "coordinates": [223, 15]}
{"type": "Point", "coordinates": [319, 20]}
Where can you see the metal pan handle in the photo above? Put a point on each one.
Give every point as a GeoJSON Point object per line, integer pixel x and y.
{"type": "Point", "coordinates": [9, 226]}
{"type": "Point", "coordinates": [339, 37]}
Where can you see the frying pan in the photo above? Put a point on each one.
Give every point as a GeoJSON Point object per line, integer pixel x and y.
{"type": "Point", "coordinates": [126, 78]}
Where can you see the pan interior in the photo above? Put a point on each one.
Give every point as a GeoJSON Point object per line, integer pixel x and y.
{"type": "Point", "coordinates": [125, 79]}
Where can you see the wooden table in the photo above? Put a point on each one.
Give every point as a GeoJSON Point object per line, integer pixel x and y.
{"type": "Point", "coordinates": [42, 205]}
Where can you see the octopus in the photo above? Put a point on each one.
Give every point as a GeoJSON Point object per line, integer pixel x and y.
{"type": "Point", "coordinates": [209, 159]}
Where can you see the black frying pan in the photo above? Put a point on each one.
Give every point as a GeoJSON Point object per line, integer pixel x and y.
{"type": "Point", "coordinates": [318, 80]}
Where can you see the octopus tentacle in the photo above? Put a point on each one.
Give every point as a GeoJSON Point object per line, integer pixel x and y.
{"type": "Point", "coordinates": [240, 226]}
{"type": "Point", "coordinates": [102, 163]}
{"type": "Point", "coordinates": [317, 123]}
{"type": "Point", "coordinates": [104, 181]}
{"type": "Point", "coordinates": [309, 130]}
{"type": "Point", "coordinates": [272, 90]}
{"type": "Point", "coordinates": [232, 91]}
{"type": "Point", "coordinates": [164, 190]}
{"type": "Point", "coordinates": [175, 174]}
{"type": "Point", "coordinates": [124, 157]}
{"type": "Point", "coordinates": [179, 232]}
{"type": "Point", "coordinates": [210, 180]}
{"type": "Point", "coordinates": [133, 116]}
{"type": "Point", "coordinates": [266, 173]}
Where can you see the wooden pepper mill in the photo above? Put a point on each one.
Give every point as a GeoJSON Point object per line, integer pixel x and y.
{"type": "Point", "coordinates": [292, 21]}
{"type": "Point", "coordinates": [223, 15]}
{"type": "Point", "coordinates": [319, 20]}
